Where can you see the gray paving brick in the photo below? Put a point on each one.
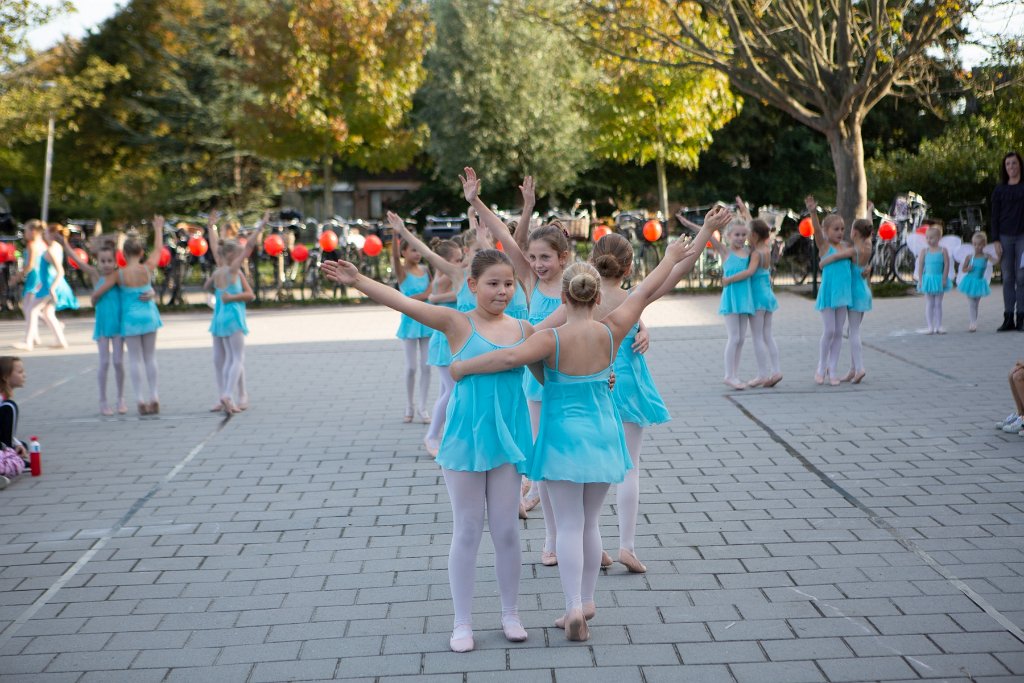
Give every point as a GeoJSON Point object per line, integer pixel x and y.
{"type": "Point", "coordinates": [866, 668]}
{"type": "Point", "coordinates": [587, 675]}
{"type": "Point", "coordinates": [719, 653]}
{"type": "Point", "coordinates": [777, 672]}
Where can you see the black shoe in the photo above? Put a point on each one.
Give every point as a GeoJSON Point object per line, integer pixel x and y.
{"type": "Point", "coordinates": [1020, 322]}
{"type": "Point", "coordinates": [1007, 323]}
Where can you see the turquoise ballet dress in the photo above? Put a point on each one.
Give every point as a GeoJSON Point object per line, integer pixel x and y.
{"type": "Point", "coordinates": [836, 284]}
{"type": "Point", "coordinates": [439, 354]}
{"type": "Point", "coordinates": [63, 297]}
{"type": "Point", "coordinates": [228, 318]}
{"type": "Point", "coordinates": [409, 328]}
{"type": "Point", "coordinates": [635, 395]}
{"type": "Point", "coordinates": [31, 284]}
{"type": "Point", "coordinates": [931, 276]}
{"type": "Point", "coordinates": [465, 299]}
{"type": "Point", "coordinates": [137, 317]}
{"type": "Point", "coordinates": [974, 284]}
{"type": "Point", "coordinates": [487, 423]}
{"type": "Point", "coordinates": [541, 306]}
{"type": "Point", "coordinates": [860, 290]}
{"type": "Point", "coordinates": [518, 308]}
{"type": "Point", "coordinates": [737, 297]}
{"type": "Point", "coordinates": [580, 437]}
{"type": "Point", "coordinates": [108, 313]}
{"type": "Point", "coordinates": [761, 290]}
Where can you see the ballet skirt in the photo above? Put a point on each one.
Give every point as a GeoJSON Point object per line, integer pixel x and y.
{"type": "Point", "coordinates": [580, 437]}
{"type": "Point", "coordinates": [410, 286]}
{"type": "Point", "coordinates": [737, 298]}
{"type": "Point", "coordinates": [860, 289]}
{"type": "Point", "coordinates": [439, 354]}
{"type": "Point", "coordinates": [541, 306]}
{"type": "Point", "coordinates": [635, 395]}
{"type": "Point", "coordinates": [228, 318]}
{"type": "Point", "coordinates": [487, 423]}
{"type": "Point", "coordinates": [465, 299]}
{"type": "Point", "coordinates": [761, 290]}
{"type": "Point", "coordinates": [63, 296]}
{"type": "Point", "coordinates": [32, 277]}
{"type": "Point", "coordinates": [137, 317]}
{"type": "Point", "coordinates": [931, 275]}
{"type": "Point", "coordinates": [107, 312]}
{"type": "Point", "coordinates": [518, 308]}
{"type": "Point", "coordinates": [975, 284]}
{"type": "Point", "coordinates": [836, 284]}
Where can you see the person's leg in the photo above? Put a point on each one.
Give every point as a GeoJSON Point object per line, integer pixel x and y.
{"type": "Point", "coordinates": [567, 501]}
{"type": "Point", "coordinates": [548, 555]}
{"type": "Point", "coordinates": [1017, 388]}
{"type": "Point", "coordinates": [152, 372]}
{"type": "Point", "coordinates": [503, 522]}
{"type": "Point", "coordinates": [56, 326]}
{"type": "Point", "coordinates": [437, 419]}
{"type": "Point", "coordinates": [409, 348]}
{"type": "Point", "coordinates": [760, 349]}
{"type": "Point", "coordinates": [424, 350]}
{"type": "Point", "coordinates": [32, 308]}
{"type": "Point", "coordinates": [828, 325]}
{"type": "Point", "coordinates": [118, 357]}
{"type": "Point", "coordinates": [837, 344]}
{"type": "Point", "coordinates": [234, 365]}
{"type": "Point", "coordinates": [733, 342]}
{"type": "Point", "coordinates": [972, 312]}
{"type": "Point", "coordinates": [1018, 255]}
{"type": "Point", "coordinates": [467, 491]}
{"type": "Point", "coordinates": [769, 342]}
{"type": "Point", "coordinates": [627, 494]}
{"type": "Point", "coordinates": [593, 500]}
{"type": "Point", "coordinates": [220, 354]}
{"type": "Point", "coordinates": [136, 368]}
{"type": "Point", "coordinates": [929, 306]}
{"type": "Point", "coordinates": [856, 345]}
{"type": "Point", "coordinates": [1008, 267]}
{"type": "Point", "coordinates": [103, 369]}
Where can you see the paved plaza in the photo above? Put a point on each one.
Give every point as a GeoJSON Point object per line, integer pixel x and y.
{"type": "Point", "coordinates": [801, 533]}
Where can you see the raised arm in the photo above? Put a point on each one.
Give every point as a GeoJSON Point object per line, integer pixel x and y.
{"type": "Point", "coordinates": [211, 231]}
{"type": "Point", "coordinates": [471, 189]}
{"type": "Point", "coordinates": [529, 191]}
{"type": "Point", "coordinates": [452, 270]}
{"type": "Point", "coordinates": [250, 244]}
{"type": "Point", "coordinates": [819, 235]}
{"type": "Point", "coordinates": [742, 209]}
{"type": "Point", "coordinates": [82, 265]}
{"type": "Point", "coordinates": [396, 257]}
{"type": "Point", "coordinates": [718, 217]}
{"type": "Point", "coordinates": [158, 234]}
{"type": "Point", "coordinates": [536, 348]}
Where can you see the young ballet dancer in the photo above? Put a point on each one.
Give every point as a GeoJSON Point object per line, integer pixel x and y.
{"type": "Point", "coordinates": [539, 258]}
{"type": "Point", "coordinates": [140, 318]}
{"type": "Point", "coordinates": [228, 326]}
{"type": "Point", "coordinates": [487, 437]}
{"type": "Point", "coordinates": [580, 448]}
{"type": "Point", "coordinates": [934, 278]}
{"type": "Point", "coordinates": [860, 294]}
{"type": "Point", "coordinates": [737, 296]}
{"type": "Point", "coordinates": [834, 291]}
{"type": "Point", "coordinates": [445, 257]}
{"type": "Point", "coordinates": [413, 280]}
{"type": "Point", "coordinates": [106, 331]}
{"type": "Point", "coordinates": [974, 284]}
{"type": "Point", "coordinates": [42, 291]}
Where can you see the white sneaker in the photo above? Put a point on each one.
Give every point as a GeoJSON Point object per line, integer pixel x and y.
{"type": "Point", "coordinates": [1009, 418]}
{"type": "Point", "coordinates": [1014, 426]}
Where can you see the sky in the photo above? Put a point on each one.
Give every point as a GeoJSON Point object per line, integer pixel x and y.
{"type": "Point", "coordinates": [90, 13]}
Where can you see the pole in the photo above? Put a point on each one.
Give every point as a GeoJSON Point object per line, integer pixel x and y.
{"type": "Point", "coordinates": [45, 213]}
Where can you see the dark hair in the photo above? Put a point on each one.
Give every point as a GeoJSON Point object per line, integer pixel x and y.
{"type": "Point", "coordinates": [6, 368]}
{"type": "Point", "coordinates": [581, 283]}
{"type": "Point", "coordinates": [444, 248]}
{"type": "Point", "coordinates": [1002, 167]}
{"type": "Point", "coordinates": [554, 235]}
{"type": "Point", "coordinates": [484, 259]}
{"type": "Point", "coordinates": [863, 226]}
{"type": "Point", "coordinates": [760, 228]}
{"type": "Point", "coordinates": [612, 256]}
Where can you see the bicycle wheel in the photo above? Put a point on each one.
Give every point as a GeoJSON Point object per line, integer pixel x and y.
{"type": "Point", "coordinates": [904, 264]}
{"type": "Point", "coordinates": [651, 258]}
{"type": "Point", "coordinates": [881, 263]}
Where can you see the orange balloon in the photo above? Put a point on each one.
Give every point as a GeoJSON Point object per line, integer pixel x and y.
{"type": "Point", "coordinates": [372, 246]}
{"type": "Point", "coordinates": [328, 240]}
{"type": "Point", "coordinates": [887, 230]}
{"type": "Point", "coordinates": [165, 257]}
{"type": "Point", "coordinates": [300, 253]}
{"type": "Point", "coordinates": [600, 231]}
{"type": "Point", "coordinates": [499, 247]}
{"type": "Point", "coordinates": [273, 245]}
{"type": "Point", "coordinates": [806, 226]}
{"type": "Point", "coordinates": [198, 246]}
{"type": "Point", "coordinates": [652, 231]}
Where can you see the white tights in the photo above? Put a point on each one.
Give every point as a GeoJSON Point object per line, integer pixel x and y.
{"type": "Point", "coordinates": [736, 327]}
{"type": "Point", "coordinates": [36, 308]}
{"type": "Point", "coordinates": [972, 309]}
{"type": "Point", "coordinates": [856, 345]}
{"type": "Point", "coordinates": [933, 311]}
{"type": "Point", "coordinates": [229, 366]}
{"type": "Point", "coordinates": [111, 350]}
{"type": "Point", "coordinates": [577, 509]}
{"type": "Point", "coordinates": [411, 346]}
{"type": "Point", "coordinates": [833, 320]}
{"type": "Point", "coordinates": [440, 405]}
{"type": "Point", "coordinates": [496, 490]}
{"type": "Point", "coordinates": [550, 529]}
{"type": "Point", "coordinates": [627, 494]}
{"type": "Point", "coordinates": [765, 349]}
{"type": "Point", "coordinates": [142, 360]}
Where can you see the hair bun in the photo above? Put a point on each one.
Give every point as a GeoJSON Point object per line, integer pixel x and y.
{"type": "Point", "coordinates": [581, 283]}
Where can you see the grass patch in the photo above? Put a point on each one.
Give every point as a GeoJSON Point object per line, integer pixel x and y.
{"type": "Point", "coordinates": [893, 288]}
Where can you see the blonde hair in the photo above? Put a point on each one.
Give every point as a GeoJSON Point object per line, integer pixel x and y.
{"type": "Point", "coordinates": [832, 219]}
{"type": "Point", "coordinates": [581, 283]}
{"type": "Point", "coordinates": [934, 227]}
{"type": "Point", "coordinates": [229, 248]}
{"type": "Point", "coordinates": [980, 236]}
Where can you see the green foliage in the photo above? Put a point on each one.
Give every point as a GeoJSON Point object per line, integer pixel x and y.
{"type": "Point", "coordinates": [503, 94]}
{"type": "Point", "coordinates": [16, 18]}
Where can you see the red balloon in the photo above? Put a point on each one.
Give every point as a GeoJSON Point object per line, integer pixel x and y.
{"type": "Point", "coordinates": [652, 231]}
{"type": "Point", "coordinates": [887, 231]}
{"type": "Point", "coordinates": [82, 256]}
{"type": "Point", "coordinates": [922, 229]}
{"type": "Point", "coordinates": [373, 245]}
{"type": "Point", "coordinates": [165, 257]}
{"type": "Point", "coordinates": [121, 262]}
{"type": "Point", "coordinates": [806, 226]}
{"type": "Point", "coordinates": [499, 247]}
{"type": "Point", "coordinates": [300, 253]}
{"type": "Point", "coordinates": [6, 252]}
{"type": "Point", "coordinates": [273, 245]}
{"type": "Point", "coordinates": [600, 231]}
{"type": "Point", "coordinates": [198, 246]}
{"type": "Point", "coordinates": [329, 241]}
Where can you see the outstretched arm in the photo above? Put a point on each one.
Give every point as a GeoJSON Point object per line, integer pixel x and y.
{"type": "Point", "coordinates": [452, 270]}
{"type": "Point", "coordinates": [535, 349]}
{"type": "Point", "coordinates": [250, 245]}
{"type": "Point", "coordinates": [82, 265]}
{"type": "Point", "coordinates": [158, 235]}
{"type": "Point", "coordinates": [715, 219]}
{"type": "Point", "coordinates": [819, 234]}
{"type": "Point", "coordinates": [471, 190]}
{"type": "Point", "coordinates": [103, 289]}
{"type": "Point", "coordinates": [742, 209]}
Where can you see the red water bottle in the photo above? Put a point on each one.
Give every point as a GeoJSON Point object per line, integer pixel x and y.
{"type": "Point", "coordinates": [35, 457]}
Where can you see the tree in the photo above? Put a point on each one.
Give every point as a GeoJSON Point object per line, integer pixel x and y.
{"type": "Point", "coordinates": [505, 94]}
{"type": "Point", "coordinates": [332, 79]}
{"type": "Point", "coordinates": [644, 113]}
{"type": "Point", "coordinates": [826, 63]}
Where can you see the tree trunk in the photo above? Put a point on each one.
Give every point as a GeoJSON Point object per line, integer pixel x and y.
{"type": "Point", "coordinates": [847, 148]}
{"type": "Point", "coordinates": [328, 212]}
{"type": "Point", "coordinates": [662, 189]}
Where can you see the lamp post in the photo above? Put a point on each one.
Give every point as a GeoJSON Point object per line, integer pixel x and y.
{"type": "Point", "coordinates": [48, 169]}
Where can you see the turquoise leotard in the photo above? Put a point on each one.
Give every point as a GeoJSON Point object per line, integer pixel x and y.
{"type": "Point", "coordinates": [835, 289]}
{"type": "Point", "coordinates": [108, 313]}
{"type": "Point", "coordinates": [932, 274]}
{"type": "Point", "coordinates": [228, 318]}
{"type": "Point", "coordinates": [974, 283]}
{"type": "Point", "coordinates": [737, 297]}
{"type": "Point", "coordinates": [541, 306]}
{"type": "Point", "coordinates": [409, 328]}
{"type": "Point", "coordinates": [635, 395]}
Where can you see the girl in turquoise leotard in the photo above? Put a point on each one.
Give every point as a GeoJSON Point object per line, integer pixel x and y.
{"type": "Point", "coordinates": [834, 293]}
{"type": "Point", "coordinates": [42, 277]}
{"type": "Point", "coordinates": [974, 283]}
{"type": "Point", "coordinates": [487, 437]}
{"type": "Point", "coordinates": [934, 278]}
{"type": "Point", "coordinates": [737, 297]}
{"type": "Point", "coordinates": [414, 281]}
{"type": "Point", "coordinates": [860, 294]}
